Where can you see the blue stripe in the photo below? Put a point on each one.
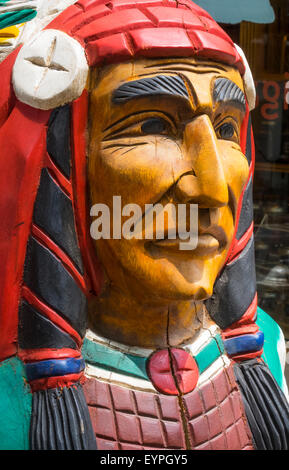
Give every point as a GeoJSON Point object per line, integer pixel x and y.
{"type": "Point", "coordinates": [53, 367]}
{"type": "Point", "coordinates": [245, 343]}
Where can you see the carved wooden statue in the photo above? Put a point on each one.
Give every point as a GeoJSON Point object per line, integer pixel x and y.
{"type": "Point", "coordinates": [128, 343]}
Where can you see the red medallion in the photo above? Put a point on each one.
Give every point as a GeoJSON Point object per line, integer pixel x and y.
{"type": "Point", "coordinates": [173, 371]}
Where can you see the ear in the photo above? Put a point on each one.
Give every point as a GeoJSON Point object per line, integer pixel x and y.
{"type": "Point", "coordinates": [50, 71]}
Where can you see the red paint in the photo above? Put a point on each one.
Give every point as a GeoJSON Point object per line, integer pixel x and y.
{"type": "Point", "coordinates": [20, 170]}
{"type": "Point", "coordinates": [214, 416]}
{"type": "Point", "coordinates": [65, 260]}
{"type": "Point", "coordinates": [57, 382]}
{"type": "Point", "coordinates": [242, 330]}
{"type": "Point", "coordinates": [214, 28]}
{"type": "Point", "coordinates": [214, 47]}
{"type": "Point", "coordinates": [35, 355]}
{"type": "Point", "coordinates": [58, 177]}
{"type": "Point", "coordinates": [239, 245]}
{"type": "Point", "coordinates": [56, 319]}
{"type": "Point", "coordinates": [156, 28]}
{"type": "Point", "coordinates": [77, 18]}
{"type": "Point", "coordinates": [247, 356]}
{"type": "Point", "coordinates": [248, 317]}
{"type": "Point", "coordinates": [167, 16]}
{"type": "Point", "coordinates": [160, 373]}
{"type": "Point", "coordinates": [243, 133]}
{"type": "Point", "coordinates": [252, 154]}
{"type": "Point", "coordinates": [118, 49]}
{"type": "Point", "coordinates": [243, 144]}
{"type": "Point", "coordinates": [173, 371]}
{"type": "Point", "coordinates": [115, 22]}
{"type": "Point", "coordinates": [185, 370]}
{"type": "Point", "coordinates": [170, 41]}
{"type": "Point", "coordinates": [92, 275]}
{"type": "Point", "coordinates": [7, 97]}
{"type": "Point", "coordinates": [246, 325]}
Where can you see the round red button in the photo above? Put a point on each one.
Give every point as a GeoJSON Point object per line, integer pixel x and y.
{"type": "Point", "coordinates": [173, 371]}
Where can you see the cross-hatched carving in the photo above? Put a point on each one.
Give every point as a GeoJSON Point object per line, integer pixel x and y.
{"type": "Point", "coordinates": [216, 417]}
{"type": "Point", "coordinates": [211, 417]}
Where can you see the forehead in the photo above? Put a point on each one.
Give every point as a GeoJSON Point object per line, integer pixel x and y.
{"type": "Point", "coordinates": [199, 74]}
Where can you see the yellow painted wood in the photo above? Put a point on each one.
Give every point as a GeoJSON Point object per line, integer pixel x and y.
{"type": "Point", "coordinates": [153, 294]}
{"type": "Point", "coordinates": [8, 33]}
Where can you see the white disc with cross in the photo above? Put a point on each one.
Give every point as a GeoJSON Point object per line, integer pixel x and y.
{"type": "Point", "coordinates": [50, 71]}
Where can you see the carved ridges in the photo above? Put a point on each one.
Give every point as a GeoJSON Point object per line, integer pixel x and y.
{"type": "Point", "coordinates": [148, 86]}
{"type": "Point", "coordinates": [226, 90]}
{"type": "Point", "coordinates": [53, 233]}
{"type": "Point", "coordinates": [60, 420]}
{"type": "Point", "coordinates": [126, 419]}
{"type": "Point", "coordinates": [119, 29]}
{"type": "Point", "coordinates": [265, 404]}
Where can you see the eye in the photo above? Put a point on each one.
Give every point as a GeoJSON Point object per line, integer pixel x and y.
{"type": "Point", "coordinates": [226, 131]}
{"type": "Point", "coordinates": [154, 126]}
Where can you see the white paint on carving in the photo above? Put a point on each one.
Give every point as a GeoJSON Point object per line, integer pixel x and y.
{"type": "Point", "coordinates": [18, 5]}
{"type": "Point", "coordinates": [50, 71]}
{"type": "Point", "coordinates": [92, 371]}
{"type": "Point", "coordinates": [249, 84]}
{"type": "Point", "coordinates": [220, 364]}
{"type": "Point", "coordinates": [133, 350]}
{"type": "Point", "coordinates": [202, 338]}
{"type": "Point", "coordinates": [47, 10]}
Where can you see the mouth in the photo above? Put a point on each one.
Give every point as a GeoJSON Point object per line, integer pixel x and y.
{"type": "Point", "coordinates": [208, 243]}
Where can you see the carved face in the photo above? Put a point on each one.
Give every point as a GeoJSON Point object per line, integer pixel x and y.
{"type": "Point", "coordinates": [168, 131]}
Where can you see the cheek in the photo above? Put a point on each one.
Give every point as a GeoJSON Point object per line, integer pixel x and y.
{"type": "Point", "coordinates": [236, 168]}
{"type": "Point", "coordinates": [140, 172]}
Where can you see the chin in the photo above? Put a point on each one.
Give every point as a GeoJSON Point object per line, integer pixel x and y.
{"type": "Point", "coordinates": [163, 281]}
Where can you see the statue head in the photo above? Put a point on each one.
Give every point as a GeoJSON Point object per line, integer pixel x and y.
{"type": "Point", "coordinates": [166, 131]}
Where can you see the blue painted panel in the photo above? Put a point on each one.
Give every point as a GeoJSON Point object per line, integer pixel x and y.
{"type": "Point", "coordinates": [235, 11]}
{"type": "Point", "coordinates": [53, 368]}
{"type": "Point", "coordinates": [245, 343]}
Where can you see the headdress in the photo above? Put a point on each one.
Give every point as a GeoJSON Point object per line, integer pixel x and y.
{"type": "Point", "coordinates": [48, 265]}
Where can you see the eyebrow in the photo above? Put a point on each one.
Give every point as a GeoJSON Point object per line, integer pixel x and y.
{"type": "Point", "coordinates": [227, 91]}
{"type": "Point", "coordinates": [158, 85]}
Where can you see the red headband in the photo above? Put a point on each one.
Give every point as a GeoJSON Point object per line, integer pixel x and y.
{"type": "Point", "coordinates": [121, 29]}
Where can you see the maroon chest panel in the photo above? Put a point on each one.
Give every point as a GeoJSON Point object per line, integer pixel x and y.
{"type": "Point", "coordinates": [211, 417]}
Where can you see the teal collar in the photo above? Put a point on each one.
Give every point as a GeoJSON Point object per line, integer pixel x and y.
{"type": "Point", "coordinates": [108, 358]}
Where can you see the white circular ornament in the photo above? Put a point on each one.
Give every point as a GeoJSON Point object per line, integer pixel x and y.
{"type": "Point", "coordinates": [50, 71]}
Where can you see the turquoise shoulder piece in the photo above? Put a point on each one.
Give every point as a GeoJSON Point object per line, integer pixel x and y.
{"type": "Point", "coordinates": [272, 335]}
{"type": "Point", "coordinates": [15, 406]}
{"type": "Point", "coordinates": [117, 361]}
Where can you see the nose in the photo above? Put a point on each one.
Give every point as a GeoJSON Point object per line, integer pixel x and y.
{"type": "Point", "coordinates": [205, 184]}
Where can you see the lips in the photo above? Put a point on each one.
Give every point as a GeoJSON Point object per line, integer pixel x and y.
{"type": "Point", "coordinates": [207, 244]}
